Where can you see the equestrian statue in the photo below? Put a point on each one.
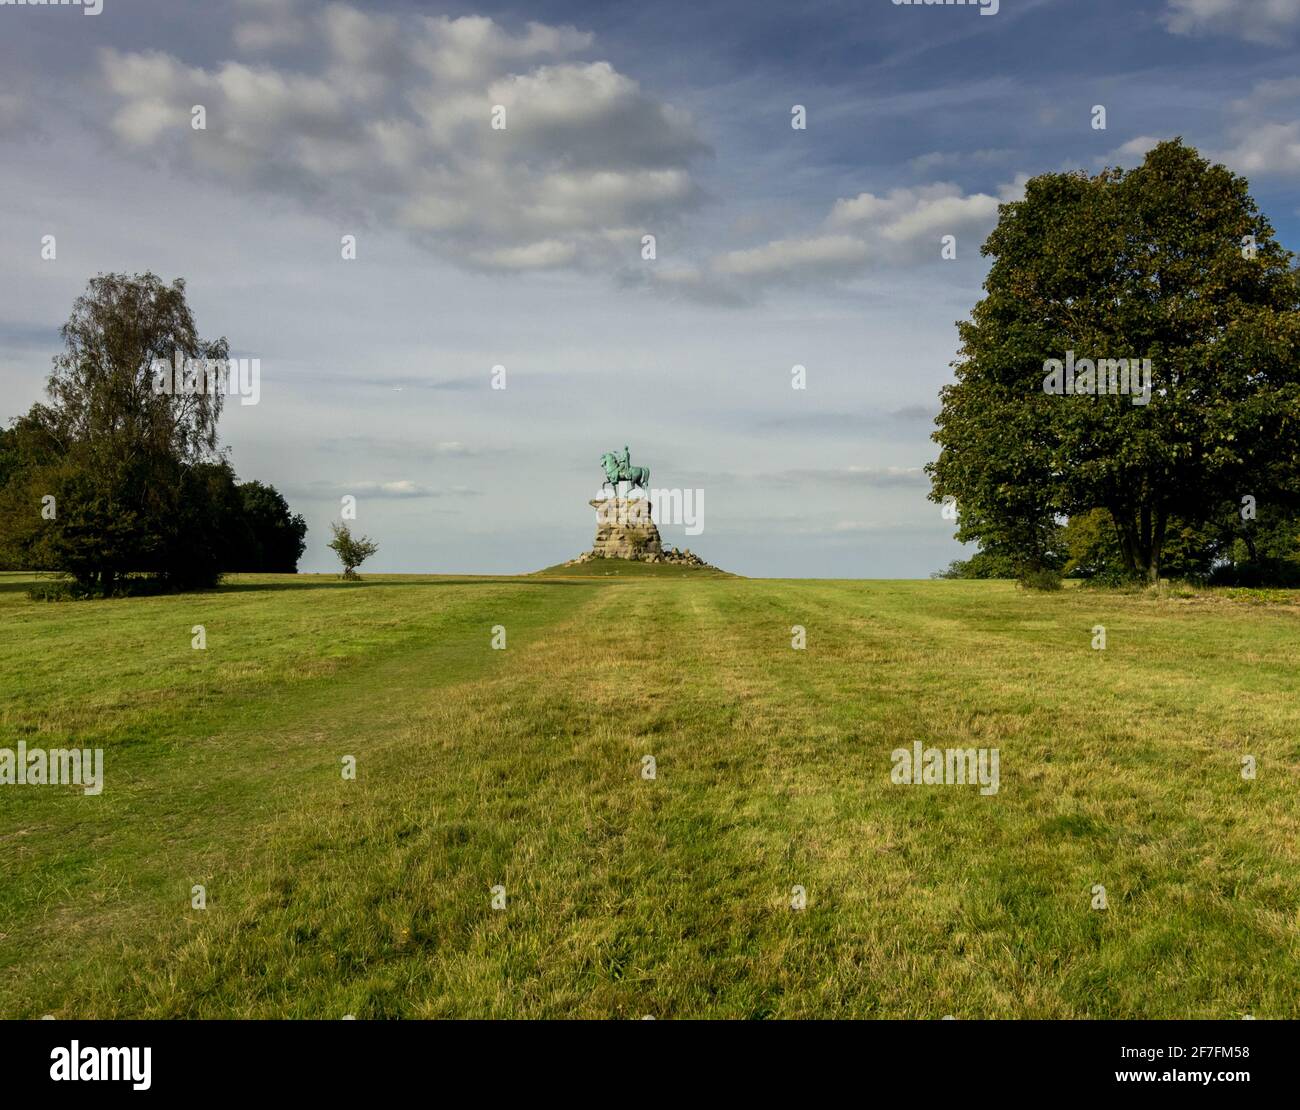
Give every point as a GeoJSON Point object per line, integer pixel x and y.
{"type": "Point", "coordinates": [618, 468]}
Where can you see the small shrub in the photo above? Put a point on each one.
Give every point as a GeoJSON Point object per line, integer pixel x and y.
{"type": "Point", "coordinates": [351, 550]}
{"type": "Point", "coordinates": [134, 585]}
{"type": "Point", "coordinates": [1045, 578]}
{"type": "Point", "coordinates": [51, 591]}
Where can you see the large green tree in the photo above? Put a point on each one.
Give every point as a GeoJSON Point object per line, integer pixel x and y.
{"type": "Point", "coordinates": [103, 477]}
{"type": "Point", "coordinates": [118, 474]}
{"type": "Point", "coordinates": [1172, 262]}
{"type": "Point", "coordinates": [276, 537]}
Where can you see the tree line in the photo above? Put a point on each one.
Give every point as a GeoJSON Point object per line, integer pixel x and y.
{"type": "Point", "coordinates": [120, 486]}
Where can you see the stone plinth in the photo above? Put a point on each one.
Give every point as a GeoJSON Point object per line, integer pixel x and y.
{"type": "Point", "coordinates": [625, 529]}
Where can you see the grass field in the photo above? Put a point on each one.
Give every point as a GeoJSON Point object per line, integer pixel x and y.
{"type": "Point", "coordinates": [667, 897]}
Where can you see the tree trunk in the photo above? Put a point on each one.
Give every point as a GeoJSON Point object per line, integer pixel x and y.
{"type": "Point", "coordinates": [1125, 533]}
{"type": "Point", "coordinates": [1144, 541]}
{"type": "Point", "coordinates": [1157, 545]}
{"type": "Point", "coordinates": [1141, 535]}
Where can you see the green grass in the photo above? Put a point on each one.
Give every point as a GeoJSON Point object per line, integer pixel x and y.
{"type": "Point", "coordinates": [670, 897]}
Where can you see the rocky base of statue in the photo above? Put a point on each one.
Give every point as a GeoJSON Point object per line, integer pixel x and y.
{"type": "Point", "coordinates": [626, 530]}
{"type": "Point", "coordinates": [673, 555]}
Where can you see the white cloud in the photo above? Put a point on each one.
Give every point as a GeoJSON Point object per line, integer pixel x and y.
{"type": "Point", "coordinates": [546, 254]}
{"type": "Point", "coordinates": [401, 488]}
{"type": "Point", "coordinates": [1263, 134]}
{"type": "Point", "coordinates": [940, 216]}
{"type": "Point", "coordinates": [391, 119]}
{"type": "Point", "coordinates": [906, 215]}
{"type": "Point", "coordinates": [898, 228]}
{"type": "Point", "coordinates": [1264, 21]}
{"type": "Point", "coordinates": [1132, 151]}
{"type": "Point", "coordinates": [1268, 92]}
{"type": "Point", "coordinates": [269, 24]}
{"type": "Point", "coordinates": [1014, 189]}
{"type": "Point", "coordinates": [142, 121]}
{"type": "Point", "coordinates": [1264, 148]}
{"type": "Point", "coordinates": [461, 50]}
{"type": "Point", "coordinates": [789, 256]}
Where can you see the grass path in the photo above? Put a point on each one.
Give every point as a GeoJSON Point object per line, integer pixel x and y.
{"type": "Point", "coordinates": [669, 897]}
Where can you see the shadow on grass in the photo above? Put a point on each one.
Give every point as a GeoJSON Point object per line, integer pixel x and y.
{"type": "Point", "coordinates": [339, 584]}
{"type": "Point", "coordinates": [363, 585]}
{"type": "Point", "coordinates": [21, 581]}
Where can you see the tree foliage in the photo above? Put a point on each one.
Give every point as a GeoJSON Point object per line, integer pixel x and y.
{"type": "Point", "coordinates": [111, 478]}
{"type": "Point", "coordinates": [1171, 261]}
{"type": "Point", "coordinates": [351, 550]}
{"type": "Point", "coordinates": [276, 537]}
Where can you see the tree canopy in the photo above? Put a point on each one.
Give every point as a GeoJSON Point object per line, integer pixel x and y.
{"type": "Point", "coordinates": [1172, 262]}
{"type": "Point", "coordinates": [351, 550]}
{"type": "Point", "coordinates": [112, 477]}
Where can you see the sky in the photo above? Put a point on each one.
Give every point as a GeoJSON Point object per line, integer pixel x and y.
{"type": "Point", "coordinates": [523, 246]}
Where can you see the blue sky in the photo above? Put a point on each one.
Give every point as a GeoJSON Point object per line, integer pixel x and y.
{"type": "Point", "coordinates": [475, 248]}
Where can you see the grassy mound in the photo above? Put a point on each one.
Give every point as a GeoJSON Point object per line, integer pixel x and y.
{"type": "Point", "coordinates": [630, 568]}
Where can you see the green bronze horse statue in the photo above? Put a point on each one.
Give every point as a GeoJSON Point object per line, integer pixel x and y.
{"type": "Point", "coordinates": [617, 470]}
